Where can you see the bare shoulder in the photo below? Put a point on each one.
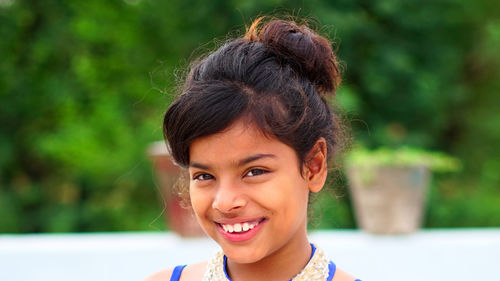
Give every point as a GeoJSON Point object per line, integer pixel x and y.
{"type": "Point", "coordinates": [192, 272]}
{"type": "Point", "coordinates": [341, 275]}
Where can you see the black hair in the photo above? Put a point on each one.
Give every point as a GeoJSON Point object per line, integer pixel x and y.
{"type": "Point", "coordinates": [276, 76]}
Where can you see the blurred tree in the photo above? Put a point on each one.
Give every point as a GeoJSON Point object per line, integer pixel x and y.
{"type": "Point", "coordinates": [78, 116]}
{"type": "Point", "coordinates": [84, 86]}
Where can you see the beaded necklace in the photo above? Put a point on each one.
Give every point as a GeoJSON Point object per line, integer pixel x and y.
{"type": "Point", "coordinates": [317, 269]}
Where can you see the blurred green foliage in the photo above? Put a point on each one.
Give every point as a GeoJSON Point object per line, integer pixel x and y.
{"type": "Point", "coordinates": [83, 86]}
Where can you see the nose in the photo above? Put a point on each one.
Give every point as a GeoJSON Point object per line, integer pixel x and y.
{"type": "Point", "coordinates": [229, 197]}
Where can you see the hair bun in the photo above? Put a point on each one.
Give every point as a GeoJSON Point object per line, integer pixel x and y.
{"type": "Point", "coordinates": [310, 53]}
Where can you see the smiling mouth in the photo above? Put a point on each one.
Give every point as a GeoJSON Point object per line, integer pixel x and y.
{"type": "Point", "coordinates": [240, 227]}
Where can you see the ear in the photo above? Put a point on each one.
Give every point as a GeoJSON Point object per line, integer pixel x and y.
{"type": "Point", "coordinates": [316, 166]}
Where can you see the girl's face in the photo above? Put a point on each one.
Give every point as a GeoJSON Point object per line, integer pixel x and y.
{"type": "Point", "coordinates": [248, 193]}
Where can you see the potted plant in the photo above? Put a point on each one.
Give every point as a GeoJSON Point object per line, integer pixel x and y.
{"type": "Point", "coordinates": [180, 218]}
{"type": "Point", "coordinates": [388, 187]}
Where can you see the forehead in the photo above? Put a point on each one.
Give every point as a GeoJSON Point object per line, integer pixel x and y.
{"type": "Point", "coordinates": [240, 140]}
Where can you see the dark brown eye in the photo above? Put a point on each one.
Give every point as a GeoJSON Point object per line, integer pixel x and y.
{"type": "Point", "coordinates": [255, 172]}
{"type": "Point", "coordinates": [203, 177]}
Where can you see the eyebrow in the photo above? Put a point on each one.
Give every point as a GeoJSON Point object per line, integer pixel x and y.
{"type": "Point", "coordinates": [199, 166]}
{"type": "Point", "coordinates": [254, 158]}
{"type": "Point", "coordinates": [240, 163]}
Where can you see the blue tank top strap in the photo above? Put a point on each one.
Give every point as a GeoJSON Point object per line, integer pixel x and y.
{"type": "Point", "coordinates": [176, 274]}
{"type": "Point", "coordinates": [331, 271]}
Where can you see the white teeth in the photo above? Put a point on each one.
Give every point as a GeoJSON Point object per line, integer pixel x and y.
{"type": "Point", "coordinates": [238, 227]}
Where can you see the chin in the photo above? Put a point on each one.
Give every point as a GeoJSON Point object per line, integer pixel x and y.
{"type": "Point", "coordinates": [242, 255]}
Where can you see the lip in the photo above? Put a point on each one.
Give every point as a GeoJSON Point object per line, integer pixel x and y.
{"type": "Point", "coordinates": [240, 236]}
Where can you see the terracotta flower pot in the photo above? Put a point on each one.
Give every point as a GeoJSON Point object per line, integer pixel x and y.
{"type": "Point", "coordinates": [389, 200]}
{"type": "Point", "coordinates": [180, 219]}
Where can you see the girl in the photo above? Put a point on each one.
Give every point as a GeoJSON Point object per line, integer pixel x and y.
{"type": "Point", "coordinates": [254, 131]}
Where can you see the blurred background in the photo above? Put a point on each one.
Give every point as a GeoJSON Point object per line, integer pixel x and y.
{"type": "Point", "coordinates": [84, 85]}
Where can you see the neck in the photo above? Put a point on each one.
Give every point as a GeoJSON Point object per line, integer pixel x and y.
{"type": "Point", "coordinates": [283, 264]}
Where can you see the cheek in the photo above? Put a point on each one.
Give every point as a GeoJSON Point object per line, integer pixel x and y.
{"type": "Point", "coordinates": [199, 201]}
{"type": "Point", "coordinates": [286, 196]}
